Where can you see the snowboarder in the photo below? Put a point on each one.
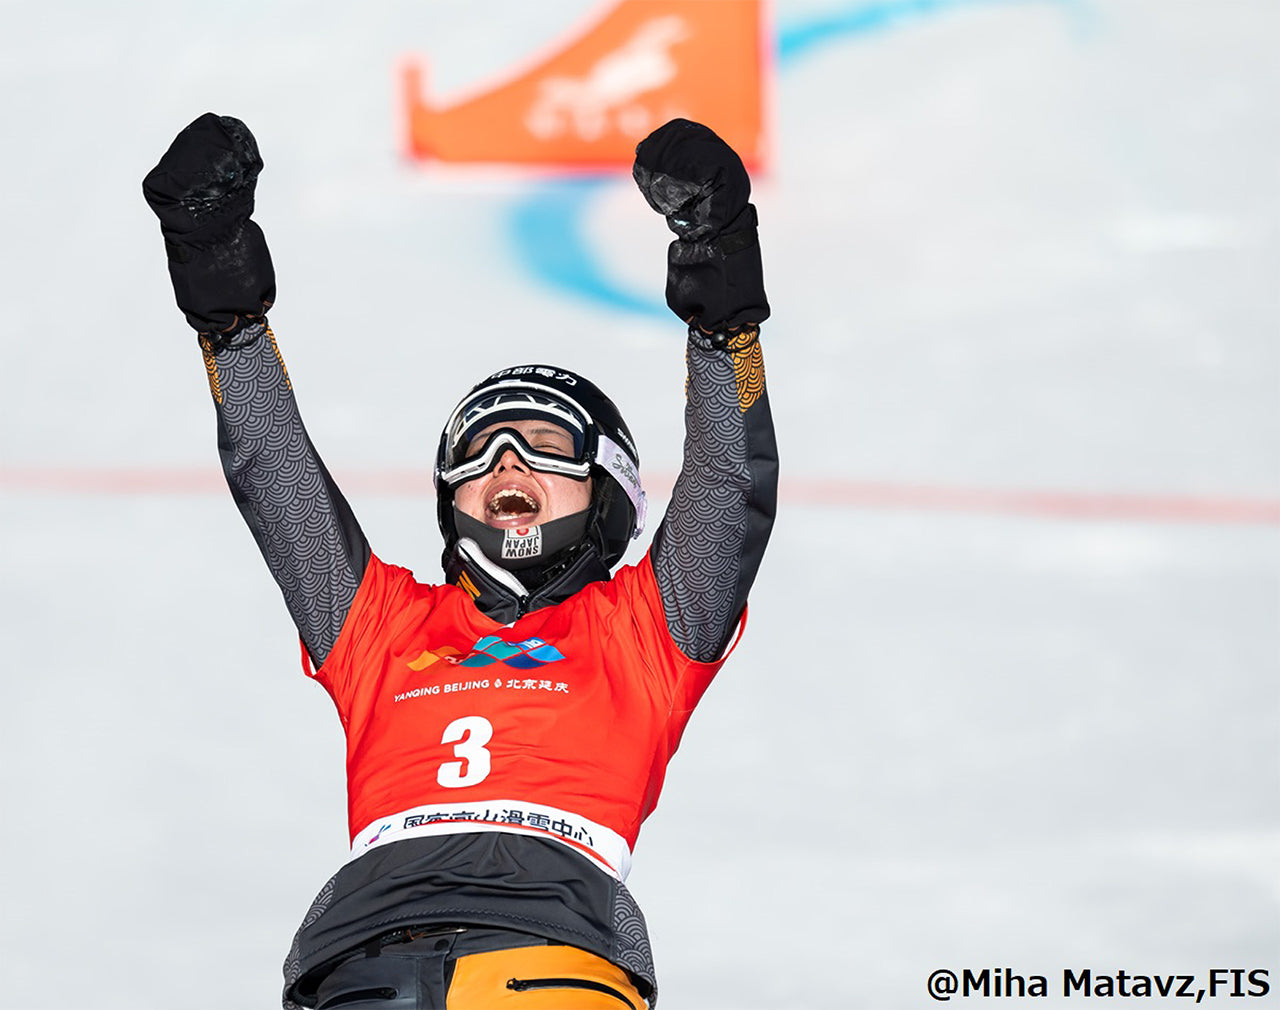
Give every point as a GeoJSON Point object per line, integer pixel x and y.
{"type": "Point", "coordinates": [507, 731]}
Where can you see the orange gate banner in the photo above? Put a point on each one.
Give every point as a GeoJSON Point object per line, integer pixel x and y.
{"type": "Point", "coordinates": [589, 102]}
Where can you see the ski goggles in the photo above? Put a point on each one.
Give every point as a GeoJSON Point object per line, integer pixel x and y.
{"type": "Point", "coordinates": [516, 401]}
{"type": "Point", "coordinates": [509, 439]}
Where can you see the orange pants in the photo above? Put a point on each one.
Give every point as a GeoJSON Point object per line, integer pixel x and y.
{"type": "Point", "coordinates": [436, 972]}
{"type": "Point", "coordinates": [540, 978]}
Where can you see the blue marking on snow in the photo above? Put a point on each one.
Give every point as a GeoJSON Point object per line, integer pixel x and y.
{"type": "Point", "coordinates": [796, 41]}
{"type": "Point", "coordinates": [547, 230]}
{"type": "Point", "coordinates": [546, 226]}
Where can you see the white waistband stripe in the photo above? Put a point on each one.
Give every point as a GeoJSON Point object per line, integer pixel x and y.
{"type": "Point", "coordinates": [603, 846]}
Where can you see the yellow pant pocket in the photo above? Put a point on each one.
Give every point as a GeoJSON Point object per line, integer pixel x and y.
{"type": "Point", "coordinates": [540, 978]}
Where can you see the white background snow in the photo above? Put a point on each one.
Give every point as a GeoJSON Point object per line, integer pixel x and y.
{"type": "Point", "coordinates": [1010, 246]}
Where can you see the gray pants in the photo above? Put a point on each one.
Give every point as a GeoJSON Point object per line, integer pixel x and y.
{"type": "Point", "coordinates": [410, 975]}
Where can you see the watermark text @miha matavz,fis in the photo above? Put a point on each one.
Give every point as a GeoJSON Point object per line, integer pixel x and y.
{"type": "Point", "coordinates": [1085, 983]}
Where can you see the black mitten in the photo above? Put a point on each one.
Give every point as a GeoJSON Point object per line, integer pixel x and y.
{"type": "Point", "coordinates": [202, 192]}
{"type": "Point", "coordinates": [697, 182]}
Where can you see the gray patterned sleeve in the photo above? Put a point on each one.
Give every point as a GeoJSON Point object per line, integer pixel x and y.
{"type": "Point", "coordinates": [302, 524]}
{"type": "Point", "coordinates": [708, 548]}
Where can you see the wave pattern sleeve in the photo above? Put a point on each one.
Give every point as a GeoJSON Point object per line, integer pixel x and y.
{"type": "Point", "coordinates": [303, 526]}
{"type": "Point", "coordinates": [708, 548]}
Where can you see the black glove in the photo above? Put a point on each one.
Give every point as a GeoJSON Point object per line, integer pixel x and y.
{"type": "Point", "coordinates": [202, 192]}
{"type": "Point", "coordinates": [696, 181]}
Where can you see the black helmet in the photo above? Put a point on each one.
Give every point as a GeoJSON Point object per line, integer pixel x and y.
{"type": "Point", "coordinates": [603, 447]}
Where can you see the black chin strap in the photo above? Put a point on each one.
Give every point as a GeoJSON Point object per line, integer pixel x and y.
{"type": "Point", "coordinates": [506, 596]}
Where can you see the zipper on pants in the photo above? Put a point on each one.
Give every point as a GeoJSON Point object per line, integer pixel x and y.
{"type": "Point", "coordinates": [523, 984]}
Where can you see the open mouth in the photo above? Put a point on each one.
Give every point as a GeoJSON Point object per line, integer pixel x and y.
{"type": "Point", "coordinates": [512, 504]}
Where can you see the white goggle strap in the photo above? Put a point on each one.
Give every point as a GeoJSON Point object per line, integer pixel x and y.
{"type": "Point", "coordinates": [566, 411]}
{"type": "Point", "coordinates": [620, 467]}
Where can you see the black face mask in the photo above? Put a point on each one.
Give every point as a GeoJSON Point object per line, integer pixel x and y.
{"type": "Point", "coordinates": [526, 546]}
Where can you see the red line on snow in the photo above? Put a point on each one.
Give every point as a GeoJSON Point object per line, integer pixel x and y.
{"type": "Point", "coordinates": [1055, 504]}
{"type": "Point", "coordinates": [840, 493]}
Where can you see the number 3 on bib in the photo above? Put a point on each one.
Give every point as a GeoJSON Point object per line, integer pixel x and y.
{"type": "Point", "coordinates": [468, 736]}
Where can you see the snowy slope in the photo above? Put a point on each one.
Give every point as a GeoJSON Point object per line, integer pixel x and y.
{"type": "Point", "coordinates": [1012, 247]}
